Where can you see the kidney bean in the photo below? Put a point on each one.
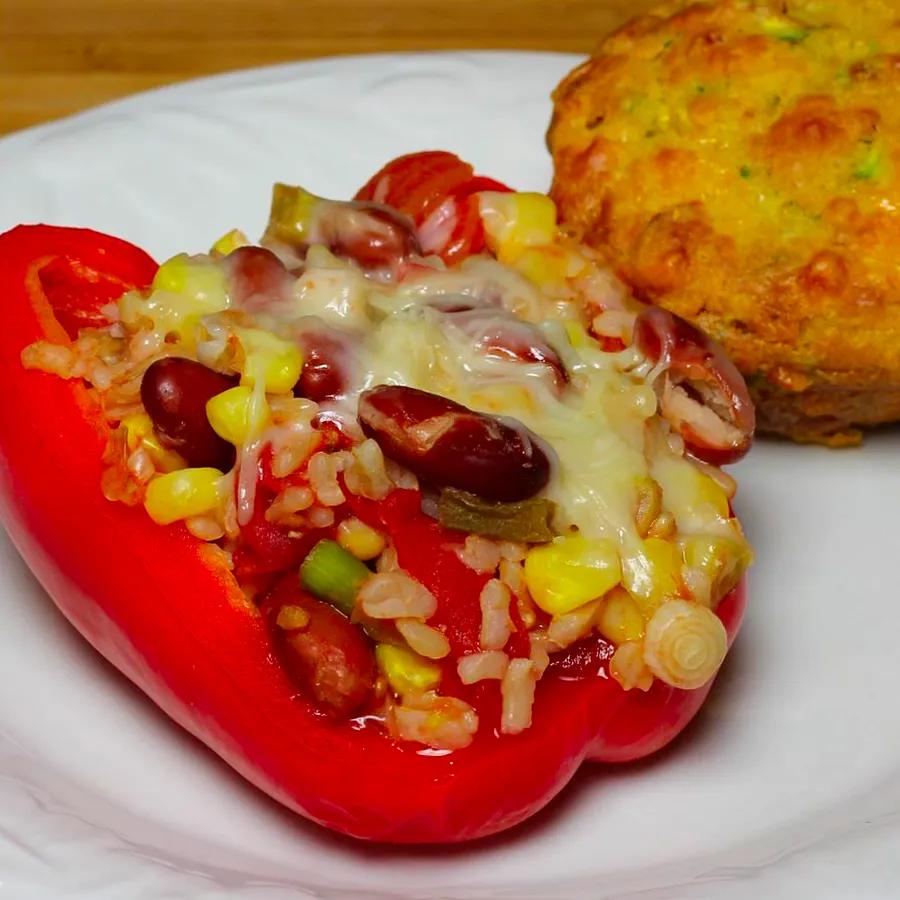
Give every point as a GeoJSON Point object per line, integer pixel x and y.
{"type": "Point", "coordinates": [501, 335]}
{"type": "Point", "coordinates": [448, 445]}
{"type": "Point", "coordinates": [706, 398]}
{"type": "Point", "coordinates": [327, 366]}
{"type": "Point", "coordinates": [258, 279]}
{"type": "Point", "coordinates": [375, 236]}
{"type": "Point", "coordinates": [327, 657]}
{"type": "Point", "coordinates": [174, 392]}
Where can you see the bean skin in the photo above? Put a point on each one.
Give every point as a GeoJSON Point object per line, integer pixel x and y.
{"type": "Point", "coordinates": [174, 392]}
{"type": "Point", "coordinates": [500, 335]}
{"type": "Point", "coordinates": [259, 280]}
{"type": "Point", "coordinates": [448, 445]}
{"type": "Point", "coordinates": [327, 657]}
{"type": "Point", "coordinates": [327, 366]}
{"type": "Point", "coordinates": [712, 410]}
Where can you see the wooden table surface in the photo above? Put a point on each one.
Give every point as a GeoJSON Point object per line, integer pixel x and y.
{"type": "Point", "coordinates": [60, 56]}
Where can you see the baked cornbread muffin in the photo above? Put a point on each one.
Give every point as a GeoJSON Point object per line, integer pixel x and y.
{"type": "Point", "coordinates": [738, 162]}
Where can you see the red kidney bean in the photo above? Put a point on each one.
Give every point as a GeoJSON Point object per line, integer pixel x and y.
{"type": "Point", "coordinates": [258, 279]}
{"type": "Point", "coordinates": [328, 363]}
{"type": "Point", "coordinates": [707, 399]}
{"type": "Point", "coordinates": [375, 236]}
{"type": "Point", "coordinates": [501, 335]}
{"type": "Point", "coordinates": [448, 445]}
{"type": "Point", "coordinates": [174, 392]}
{"type": "Point", "coordinates": [328, 658]}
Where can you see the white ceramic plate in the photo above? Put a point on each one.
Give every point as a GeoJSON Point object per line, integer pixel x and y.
{"type": "Point", "coordinates": [788, 785]}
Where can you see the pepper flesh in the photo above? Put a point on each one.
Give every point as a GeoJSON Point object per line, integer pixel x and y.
{"type": "Point", "coordinates": [165, 609]}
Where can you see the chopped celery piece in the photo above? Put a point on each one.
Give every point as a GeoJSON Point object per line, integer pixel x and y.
{"type": "Point", "coordinates": [527, 520]}
{"type": "Point", "coordinates": [333, 575]}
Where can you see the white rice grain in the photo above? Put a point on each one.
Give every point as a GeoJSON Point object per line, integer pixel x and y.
{"type": "Point", "coordinates": [490, 664]}
{"type": "Point", "coordinates": [425, 640]}
{"type": "Point", "coordinates": [496, 625]}
{"type": "Point", "coordinates": [517, 688]}
{"type": "Point", "coordinates": [394, 595]}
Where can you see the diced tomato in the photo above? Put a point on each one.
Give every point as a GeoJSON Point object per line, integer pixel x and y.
{"type": "Point", "coordinates": [419, 183]}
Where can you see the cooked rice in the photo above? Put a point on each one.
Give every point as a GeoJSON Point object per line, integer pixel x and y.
{"type": "Point", "coordinates": [480, 554]}
{"type": "Point", "coordinates": [541, 648]}
{"type": "Point", "coordinates": [205, 528]}
{"type": "Point", "coordinates": [496, 624]}
{"type": "Point", "coordinates": [322, 472]}
{"type": "Point", "coordinates": [140, 465]}
{"type": "Point", "coordinates": [387, 561]}
{"type": "Point", "coordinates": [364, 472]}
{"type": "Point", "coordinates": [320, 517]}
{"type": "Point", "coordinates": [517, 689]}
{"type": "Point", "coordinates": [291, 500]}
{"type": "Point", "coordinates": [425, 640]}
{"type": "Point", "coordinates": [489, 664]}
{"type": "Point", "coordinates": [394, 595]}
{"type": "Point", "coordinates": [444, 723]}
{"type": "Point", "coordinates": [513, 551]}
{"type": "Point", "coordinates": [565, 630]}
{"type": "Point", "coordinates": [627, 666]}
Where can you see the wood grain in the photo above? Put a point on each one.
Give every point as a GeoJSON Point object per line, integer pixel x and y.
{"type": "Point", "coordinates": [60, 56]}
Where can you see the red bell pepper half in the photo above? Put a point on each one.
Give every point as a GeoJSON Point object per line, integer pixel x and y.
{"type": "Point", "coordinates": [164, 608]}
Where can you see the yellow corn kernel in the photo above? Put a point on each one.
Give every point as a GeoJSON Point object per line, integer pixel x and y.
{"type": "Point", "coordinates": [654, 574]}
{"type": "Point", "coordinates": [722, 560]}
{"type": "Point", "coordinates": [292, 618]}
{"type": "Point", "coordinates": [178, 495]}
{"type": "Point", "coordinates": [229, 242]}
{"type": "Point", "coordinates": [184, 290]}
{"type": "Point", "coordinates": [620, 620]}
{"type": "Point", "coordinates": [269, 359]}
{"type": "Point", "coordinates": [571, 571]}
{"type": "Point", "coordinates": [238, 414]}
{"type": "Point", "coordinates": [139, 433]}
{"type": "Point", "coordinates": [543, 266]}
{"type": "Point", "coordinates": [197, 279]}
{"type": "Point", "coordinates": [137, 427]}
{"type": "Point", "coordinates": [359, 539]}
{"type": "Point", "coordinates": [514, 221]}
{"type": "Point", "coordinates": [407, 672]}
{"type": "Point", "coordinates": [692, 492]}
{"type": "Point", "coordinates": [710, 493]}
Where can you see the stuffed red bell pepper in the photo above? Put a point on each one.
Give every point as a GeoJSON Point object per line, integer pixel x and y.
{"type": "Point", "coordinates": [405, 512]}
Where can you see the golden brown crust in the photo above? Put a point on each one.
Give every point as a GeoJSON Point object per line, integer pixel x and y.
{"type": "Point", "coordinates": [739, 163]}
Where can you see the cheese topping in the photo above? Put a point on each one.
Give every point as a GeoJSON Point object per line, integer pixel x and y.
{"type": "Point", "coordinates": [601, 429]}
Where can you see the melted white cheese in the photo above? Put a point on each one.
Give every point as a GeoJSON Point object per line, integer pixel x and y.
{"type": "Point", "coordinates": [596, 428]}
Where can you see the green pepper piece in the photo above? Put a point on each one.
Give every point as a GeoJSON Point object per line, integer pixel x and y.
{"type": "Point", "coordinates": [527, 521]}
{"type": "Point", "coordinates": [334, 575]}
